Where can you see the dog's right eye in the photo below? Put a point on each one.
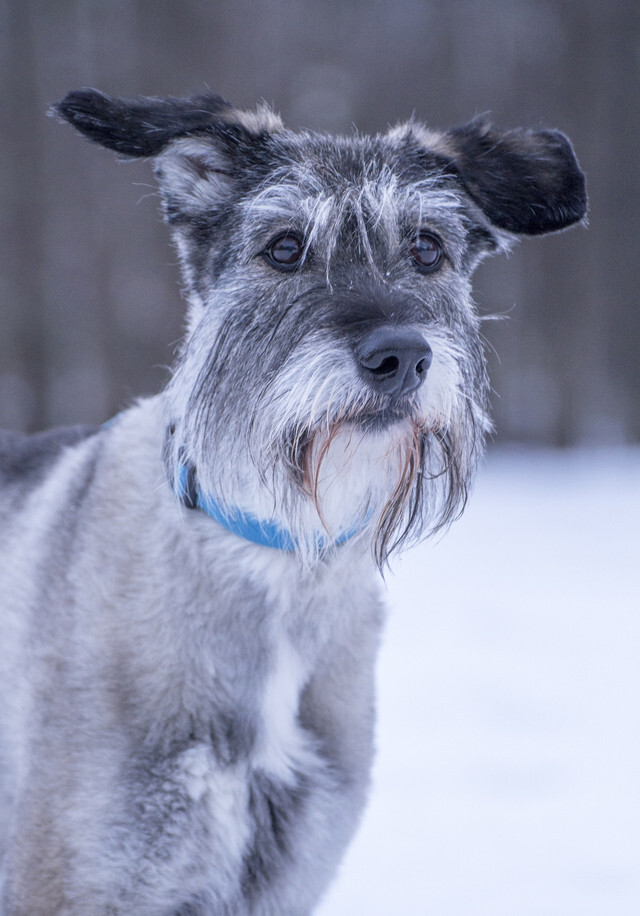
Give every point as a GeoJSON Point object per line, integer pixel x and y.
{"type": "Point", "coordinates": [285, 251]}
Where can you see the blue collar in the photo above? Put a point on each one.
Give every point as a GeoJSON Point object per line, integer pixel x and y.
{"type": "Point", "coordinates": [265, 532]}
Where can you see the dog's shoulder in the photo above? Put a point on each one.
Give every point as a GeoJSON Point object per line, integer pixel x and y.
{"type": "Point", "coordinates": [25, 458]}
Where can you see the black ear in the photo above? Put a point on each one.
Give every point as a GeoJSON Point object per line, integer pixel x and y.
{"type": "Point", "coordinates": [140, 126]}
{"type": "Point", "coordinates": [525, 181]}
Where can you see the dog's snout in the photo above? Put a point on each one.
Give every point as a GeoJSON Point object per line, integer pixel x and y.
{"type": "Point", "coordinates": [393, 360]}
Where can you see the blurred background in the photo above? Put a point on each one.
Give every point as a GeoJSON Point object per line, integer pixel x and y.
{"type": "Point", "coordinates": [507, 776]}
{"type": "Point", "coordinates": [90, 306]}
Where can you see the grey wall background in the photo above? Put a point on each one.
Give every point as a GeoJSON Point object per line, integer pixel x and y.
{"type": "Point", "coordinates": [90, 307]}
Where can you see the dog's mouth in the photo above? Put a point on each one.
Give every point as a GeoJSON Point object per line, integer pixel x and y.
{"type": "Point", "coordinates": [390, 414]}
{"type": "Point", "coordinates": [394, 421]}
{"type": "Point", "coordinates": [366, 468]}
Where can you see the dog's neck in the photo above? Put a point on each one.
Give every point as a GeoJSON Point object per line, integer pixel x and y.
{"type": "Point", "coordinates": [266, 532]}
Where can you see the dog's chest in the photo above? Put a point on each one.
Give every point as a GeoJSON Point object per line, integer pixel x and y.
{"type": "Point", "coordinates": [280, 744]}
{"type": "Point", "coordinates": [241, 818]}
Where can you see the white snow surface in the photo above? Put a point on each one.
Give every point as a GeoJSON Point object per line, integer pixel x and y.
{"type": "Point", "coordinates": [507, 780]}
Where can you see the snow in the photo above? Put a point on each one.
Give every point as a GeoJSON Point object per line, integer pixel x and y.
{"type": "Point", "coordinates": [507, 781]}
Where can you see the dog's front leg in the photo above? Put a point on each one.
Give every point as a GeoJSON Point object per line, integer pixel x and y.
{"type": "Point", "coordinates": [337, 711]}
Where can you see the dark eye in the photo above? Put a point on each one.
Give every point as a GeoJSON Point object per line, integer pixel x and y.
{"type": "Point", "coordinates": [427, 252]}
{"type": "Point", "coordinates": [285, 252]}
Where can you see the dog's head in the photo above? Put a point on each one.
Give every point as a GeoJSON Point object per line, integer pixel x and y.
{"type": "Point", "coordinates": [332, 375]}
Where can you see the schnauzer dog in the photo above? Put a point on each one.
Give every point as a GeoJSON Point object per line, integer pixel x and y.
{"type": "Point", "coordinates": [190, 614]}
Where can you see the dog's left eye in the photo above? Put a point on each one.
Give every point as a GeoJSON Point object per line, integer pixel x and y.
{"type": "Point", "coordinates": [427, 252]}
{"type": "Point", "coordinates": [285, 252]}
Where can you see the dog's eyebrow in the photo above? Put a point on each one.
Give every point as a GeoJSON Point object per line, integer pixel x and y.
{"type": "Point", "coordinates": [275, 202]}
{"type": "Point", "coordinates": [381, 203]}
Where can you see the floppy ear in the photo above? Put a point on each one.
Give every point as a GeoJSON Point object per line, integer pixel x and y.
{"type": "Point", "coordinates": [524, 181]}
{"type": "Point", "coordinates": [140, 126]}
{"type": "Point", "coordinates": [197, 141]}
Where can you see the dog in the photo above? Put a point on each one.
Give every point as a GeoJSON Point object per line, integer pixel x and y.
{"type": "Point", "coordinates": [190, 612]}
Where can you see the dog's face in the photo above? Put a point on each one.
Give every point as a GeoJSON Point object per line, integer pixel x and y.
{"type": "Point", "coordinates": [332, 373]}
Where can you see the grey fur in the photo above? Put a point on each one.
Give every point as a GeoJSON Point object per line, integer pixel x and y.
{"type": "Point", "coordinates": [187, 717]}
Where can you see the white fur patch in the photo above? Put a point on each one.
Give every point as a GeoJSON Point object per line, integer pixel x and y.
{"type": "Point", "coordinates": [282, 741]}
{"type": "Point", "coordinates": [197, 766]}
{"type": "Point", "coordinates": [224, 791]}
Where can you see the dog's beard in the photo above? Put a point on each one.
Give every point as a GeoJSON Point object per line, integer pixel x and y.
{"type": "Point", "coordinates": [329, 457]}
{"type": "Point", "coordinates": [390, 486]}
{"type": "Point", "coordinates": [375, 475]}
{"type": "Point", "coordinates": [396, 484]}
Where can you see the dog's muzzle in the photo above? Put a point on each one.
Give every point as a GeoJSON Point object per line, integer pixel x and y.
{"type": "Point", "coordinates": [393, 360]}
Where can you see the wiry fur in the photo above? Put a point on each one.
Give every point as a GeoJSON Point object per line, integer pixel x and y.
{"type": "Point", "coordinates": [306, 381]}
{"type": "Point", "coordinates": [187, 716]}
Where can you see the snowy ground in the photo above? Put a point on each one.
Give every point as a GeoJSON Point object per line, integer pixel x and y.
{"type": "Point", "coordinates": [508, 773]}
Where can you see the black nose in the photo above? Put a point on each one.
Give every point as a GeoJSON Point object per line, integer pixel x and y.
{"type": "Point", "coordinates": [393, 360]}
